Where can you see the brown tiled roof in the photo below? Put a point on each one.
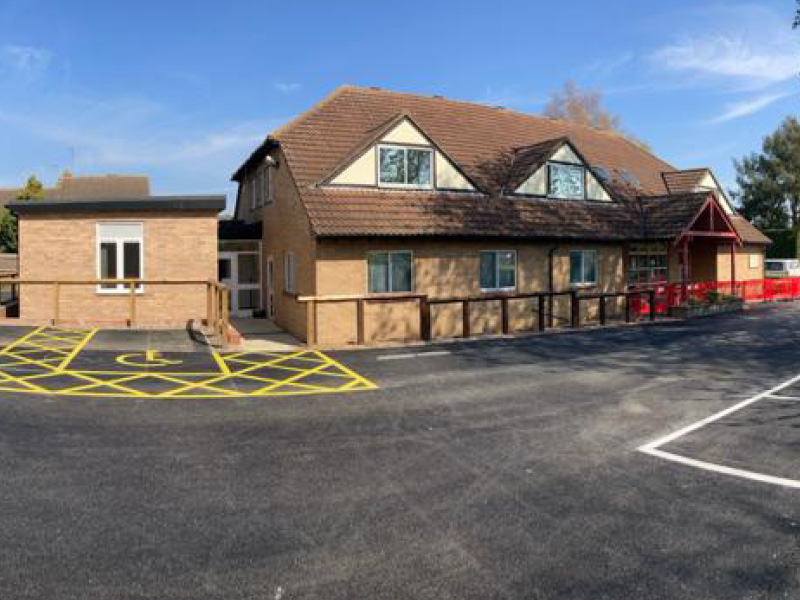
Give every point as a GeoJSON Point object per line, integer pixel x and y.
{"type": "Point", "coordinates": [483, 141]}
{"type": "Point", "coordinates": [473, 135]}
{"type": "Point", "coordinates": [666, 217]}
{"type": "Point", "coordinates": [89, 186]}
{"type": "Point", "coordinates": [340, 212]}
{"type": "Point", "coordinates": [748, 232]}
{"type": "Point", "coordinates": [679, 182]}
{"type": "Point", "coordinates": [101, 186]}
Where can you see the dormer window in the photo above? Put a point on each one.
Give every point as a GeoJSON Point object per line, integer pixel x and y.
{"type": "Point", "coordinates": [401, 166]}
{"type": "Point", "coordinates": [567, 181]}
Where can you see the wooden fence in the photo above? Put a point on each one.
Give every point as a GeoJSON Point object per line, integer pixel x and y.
{"type": "Point", "coordinates": [545, 309]}
{"type": "Point", "coordinates": [217, 299]}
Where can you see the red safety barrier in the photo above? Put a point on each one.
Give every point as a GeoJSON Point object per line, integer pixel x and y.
{"type": "Point", "coordinates": [674, 294]}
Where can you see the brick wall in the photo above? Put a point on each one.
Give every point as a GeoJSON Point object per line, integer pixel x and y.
{"type": "Point", "coordinates": [64, 246]}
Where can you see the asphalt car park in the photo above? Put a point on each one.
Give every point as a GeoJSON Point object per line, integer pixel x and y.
{"type": "Point", "coordinates": [512, 468]}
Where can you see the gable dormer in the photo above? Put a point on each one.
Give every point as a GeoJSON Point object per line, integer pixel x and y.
{"type": "Point", "coordinates": [696, 180]}
{"type": "Point", "coordinates": [401, 156]}
{"type": "Point", "coordinates": [557, 170]}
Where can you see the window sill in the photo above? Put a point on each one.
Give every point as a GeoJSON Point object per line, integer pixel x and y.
{"type": "Point", "coordinates": [582, 286]}
{"type": "Point", "coordinates": [505, 290]}
{"type": "Point", "coordinates": [120, 292]}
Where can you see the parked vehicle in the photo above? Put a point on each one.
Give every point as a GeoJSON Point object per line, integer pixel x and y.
{"type": "Point", "coordinates": [782, 267]}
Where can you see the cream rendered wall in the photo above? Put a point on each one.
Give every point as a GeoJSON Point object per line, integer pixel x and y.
{"type": "Point", "coordinates": [565, 154]}
{"type": "Point", "coordinates": [708, 183]}
{"type": "Point", "coordinates": [448, 177]}
{"type": "Point", "coordinates": [405, 133]}
{"type": "Point", "coordinates": [362, 171]}
{"type": "Point", "coordinates": [536, 184]}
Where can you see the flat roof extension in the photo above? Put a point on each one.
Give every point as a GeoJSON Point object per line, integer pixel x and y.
{"type": "Point", "coordinates": [145, 203]}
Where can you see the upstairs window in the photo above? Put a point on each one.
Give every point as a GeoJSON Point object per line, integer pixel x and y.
{"type": "Point", "coordinates": [399, 166]}
{"type": "Point", "coordinates": [260, 188]}
{"type": "Point", "coordinates": [566, 181]}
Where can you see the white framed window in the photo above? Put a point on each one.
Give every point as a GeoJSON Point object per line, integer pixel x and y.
{"type": "Point", "coordinates": [566, 181]}
{"type": "Point", "coordinates": [402, 166]}
{"type": "Point", "coordinates": [755, 261]}
{"type": "Point", "coordinates": [120, 255]}
{"type": "Point", "coordinates": [647, 263]}
{"type": "Point", "coordinates": [582, 267]}
{"type": "Point", "coordinates": [288, 272]}
{"type": "Point", "coordinates": [498, 270]}
{"type": "Point", "coordinates": [390, 271]}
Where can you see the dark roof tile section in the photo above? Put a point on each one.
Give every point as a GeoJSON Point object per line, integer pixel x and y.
{"type": "Point", "coordinates": [148, 203]}
{"type": "Point", "coordinates": [101, 186]}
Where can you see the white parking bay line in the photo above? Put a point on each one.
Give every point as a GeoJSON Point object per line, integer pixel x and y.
{"type": "Point", "coordinates": [779, 397]}
{"type": "Point", "coordinates": [652, 448]}
{"type": "Point", "coordinates": [413, 355]}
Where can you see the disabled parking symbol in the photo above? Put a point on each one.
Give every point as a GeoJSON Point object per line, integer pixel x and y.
{"type": "Point", "coordinates": [150, 358]}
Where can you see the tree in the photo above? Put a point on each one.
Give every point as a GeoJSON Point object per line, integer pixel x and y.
{"type": "Point", "coordinates": [796, 23]}
{"type": "Point", "coordinates": [585, 108]}
{"type": "Point", "coordinates": [32, 190]}
{"type": "Point", "coordinates": [769, 181]}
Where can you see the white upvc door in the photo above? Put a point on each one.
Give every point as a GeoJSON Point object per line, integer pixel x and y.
{"type": "Point", "coordinates": [239, 272]}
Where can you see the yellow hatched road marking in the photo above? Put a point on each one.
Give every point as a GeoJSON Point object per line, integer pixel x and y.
{"type": "Point", "coordinates": [48, 352]}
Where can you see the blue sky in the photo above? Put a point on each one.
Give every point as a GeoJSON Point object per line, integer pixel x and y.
{"type": "Point", "coordinates": [182, 91]}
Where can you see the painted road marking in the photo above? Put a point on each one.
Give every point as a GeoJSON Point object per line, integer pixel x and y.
{"type": "Point", "coordinates": [652, 448]}
{"type": "Point", "coordinates": [149, 358]}
{"type": "Point", "coordinates": [777, 397]}
{"type": "Point", "coordinates": [38, 362]}
{"type": "Point", "coordinates": [414, 355]}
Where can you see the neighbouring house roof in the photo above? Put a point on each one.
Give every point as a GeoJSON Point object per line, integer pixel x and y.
{"type": "Point", "coordinates": [147, 203]}
{"type": "Point", "coordinates": [230, 229]}
{"type": "Point", "coordinates": [481, 141]}
{"type": "Point", "coordinates": [89, 186]}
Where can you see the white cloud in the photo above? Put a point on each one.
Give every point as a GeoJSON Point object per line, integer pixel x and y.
{"type": "Point", "coordinates": [25, 60]}
{"type": "Point", "coordinates": [731, 56]}
{"type": "Point", "coordinates": [287, 88]}
{"type": "Point", "coordinates": [138, 135]}
{"type": "Point", "coordinates": [744, 108]}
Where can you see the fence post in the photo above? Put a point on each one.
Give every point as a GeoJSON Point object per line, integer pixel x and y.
{"type": "Point", "coordinates": [652, 298]}
{"type": "Point", "coordinates": [504, 315]}
{"type": "Point", "coordinates": [56, 293]}
{"type": "Point", "coordinates": [132, 318]}
{"type": "Point", "coordinates": [628, 307]}
{"type": "Point", "coordinates": [424, 319]}
{"type": "Point", "coordinates": [209, 301]}
{"type": "Point", "coordinates": [311, 322]}
{"type": "Point", "coordinates": [466, 326]}
{"type": "Point", "coordinates": [224, 316]}
{"type": "Point", "coordinates": [540, 309]}
{"type": "Point", "coordinates": [602, 310]}
{"type": "Point", "coordinates": [360, 321]}
{"type": "Point", "coordinates": [575, 309]}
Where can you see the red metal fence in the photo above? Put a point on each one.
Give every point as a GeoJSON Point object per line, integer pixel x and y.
{"type": "Point", "coordinates": [675, 294]}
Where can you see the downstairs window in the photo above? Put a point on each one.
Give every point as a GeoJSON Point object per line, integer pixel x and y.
{"type": "Point", "coordinates": [119, 255]}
